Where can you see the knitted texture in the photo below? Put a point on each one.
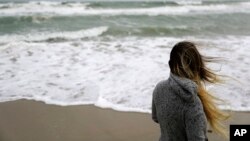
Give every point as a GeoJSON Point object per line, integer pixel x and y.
{"type": "Point", "coordinates": [178, 110]}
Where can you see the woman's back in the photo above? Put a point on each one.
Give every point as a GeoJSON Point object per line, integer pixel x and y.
{"type": "Point", "coordinates": [182, 105]}
{"type": "Point", "coordinates": [179, 111]}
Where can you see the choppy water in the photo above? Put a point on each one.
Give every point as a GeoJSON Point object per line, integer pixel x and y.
{"type": "Point", "coordinates": [111, 54]}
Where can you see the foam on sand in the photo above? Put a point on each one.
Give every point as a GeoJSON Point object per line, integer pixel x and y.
{"type": "Point", "coordinates": [118, 73]}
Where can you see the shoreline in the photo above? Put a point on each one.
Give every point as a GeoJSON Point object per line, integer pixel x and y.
{"type": "Point", "coordinates": [28, 120]}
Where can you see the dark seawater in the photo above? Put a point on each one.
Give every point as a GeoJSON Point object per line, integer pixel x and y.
{"type": "Point", "coordinates": [169, 18]}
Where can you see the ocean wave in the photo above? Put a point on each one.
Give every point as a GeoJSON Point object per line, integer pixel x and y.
{"type": "Point", "coordinates": [40, 4]}
{"type": "Point", "coordinates": [134, 4]}
{"type": "Point", "coordinates": [43, 7]}
{"type": "Point", "coordinates": [31, 18]}
{"type": "Point", "coordinates": [149, 31]}
{"type": "Point", "coordinates": [55, 8]}
{"type": "Point", "coordinates": [99, 31]}
{"type": "Point", "coordinates": [56, 36]}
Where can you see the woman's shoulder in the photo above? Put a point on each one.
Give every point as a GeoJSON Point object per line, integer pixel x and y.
{"type": "Point", "coordinates": [159, 87]}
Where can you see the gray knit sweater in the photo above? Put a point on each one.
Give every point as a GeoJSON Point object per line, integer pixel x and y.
{"type": "Point", "coordinates": [178, 110]}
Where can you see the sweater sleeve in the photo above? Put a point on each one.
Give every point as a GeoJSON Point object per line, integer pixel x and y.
{"type": "Point", "coordinates": [195, 121]}
{"type": "Point", "coordinates": [154, 114]}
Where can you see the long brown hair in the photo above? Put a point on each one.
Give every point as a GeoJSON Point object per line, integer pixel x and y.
{"type": "Point", "coordinates": [186, 61]}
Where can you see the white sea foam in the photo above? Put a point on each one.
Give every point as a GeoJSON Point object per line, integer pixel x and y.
{"type": "Point", "coordinates": [58, 9]}
{"type": "Point", "coordinates": [117, 73]}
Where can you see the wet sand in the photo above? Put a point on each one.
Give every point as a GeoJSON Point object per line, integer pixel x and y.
{"type": "Point", "coordinates": [25, 120]}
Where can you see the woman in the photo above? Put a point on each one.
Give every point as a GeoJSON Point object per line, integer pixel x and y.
{"type": "Point", "coordinates": [181, 105]}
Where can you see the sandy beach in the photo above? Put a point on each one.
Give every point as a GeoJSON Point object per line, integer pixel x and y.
{"type": "Point", "coordinates": [25, 120]}
{"type": "Point", "coordinates": [111, 53]}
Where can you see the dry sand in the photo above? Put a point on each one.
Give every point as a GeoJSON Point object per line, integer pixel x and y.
{"type": "Point", "coordinates": [25, 120]}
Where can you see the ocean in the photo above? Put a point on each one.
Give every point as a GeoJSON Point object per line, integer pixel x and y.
{"type": "Point", "coordinates": [112, 53]}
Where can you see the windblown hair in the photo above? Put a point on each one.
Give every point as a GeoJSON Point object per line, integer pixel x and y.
{"type": "Point", "coordinates": [186, 61]}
